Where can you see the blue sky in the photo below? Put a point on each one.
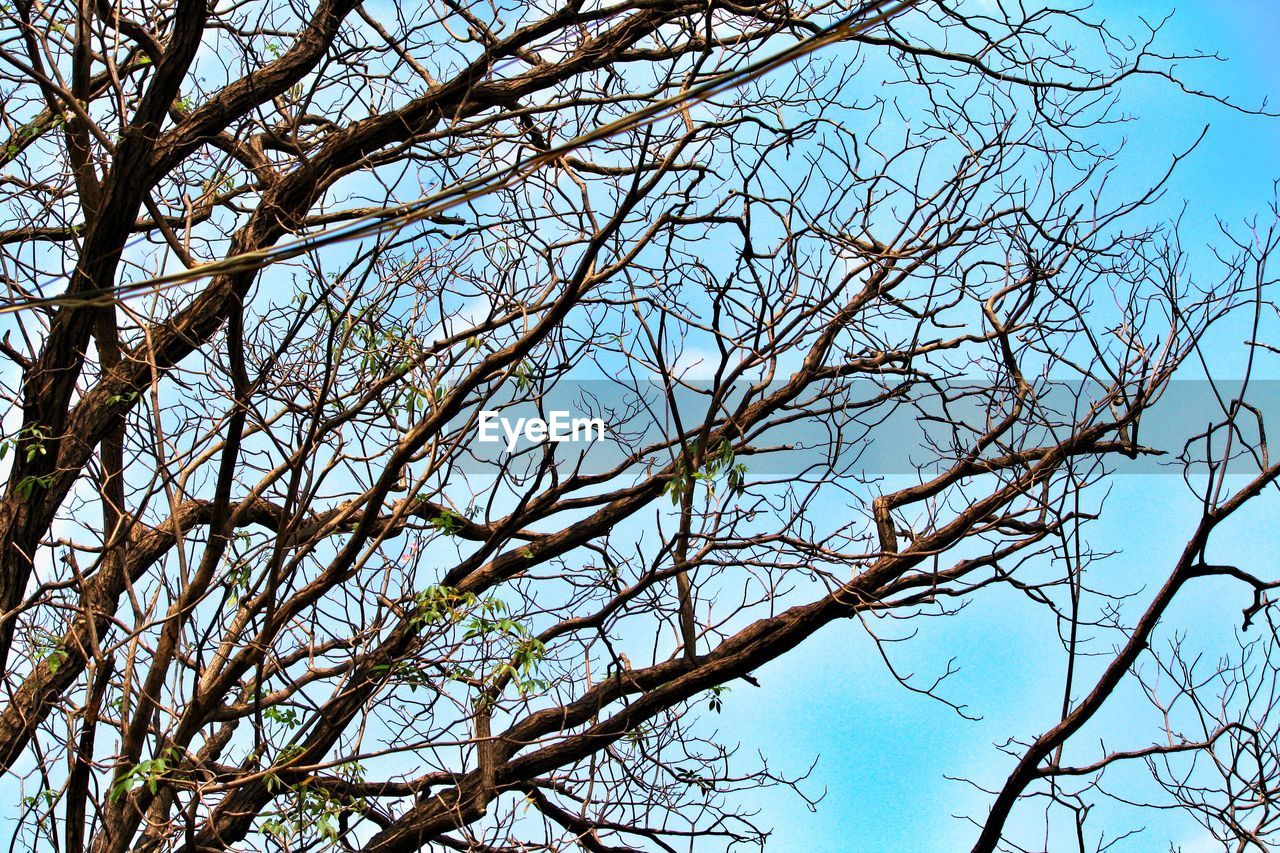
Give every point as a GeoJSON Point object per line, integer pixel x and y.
{"type": "Point", "coordinates": [883, 752]}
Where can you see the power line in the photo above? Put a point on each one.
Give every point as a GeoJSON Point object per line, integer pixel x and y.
{"type": "Point", "coordinates": [865, 17]}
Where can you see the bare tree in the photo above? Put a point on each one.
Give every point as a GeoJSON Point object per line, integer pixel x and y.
{"type": "Point", "coordinates": [262, 587]}
{"type": "Point", "coordinates": [1216, 758]}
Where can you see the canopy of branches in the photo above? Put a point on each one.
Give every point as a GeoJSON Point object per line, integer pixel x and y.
{"type": "Point", "coordinates": [863, 334]}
